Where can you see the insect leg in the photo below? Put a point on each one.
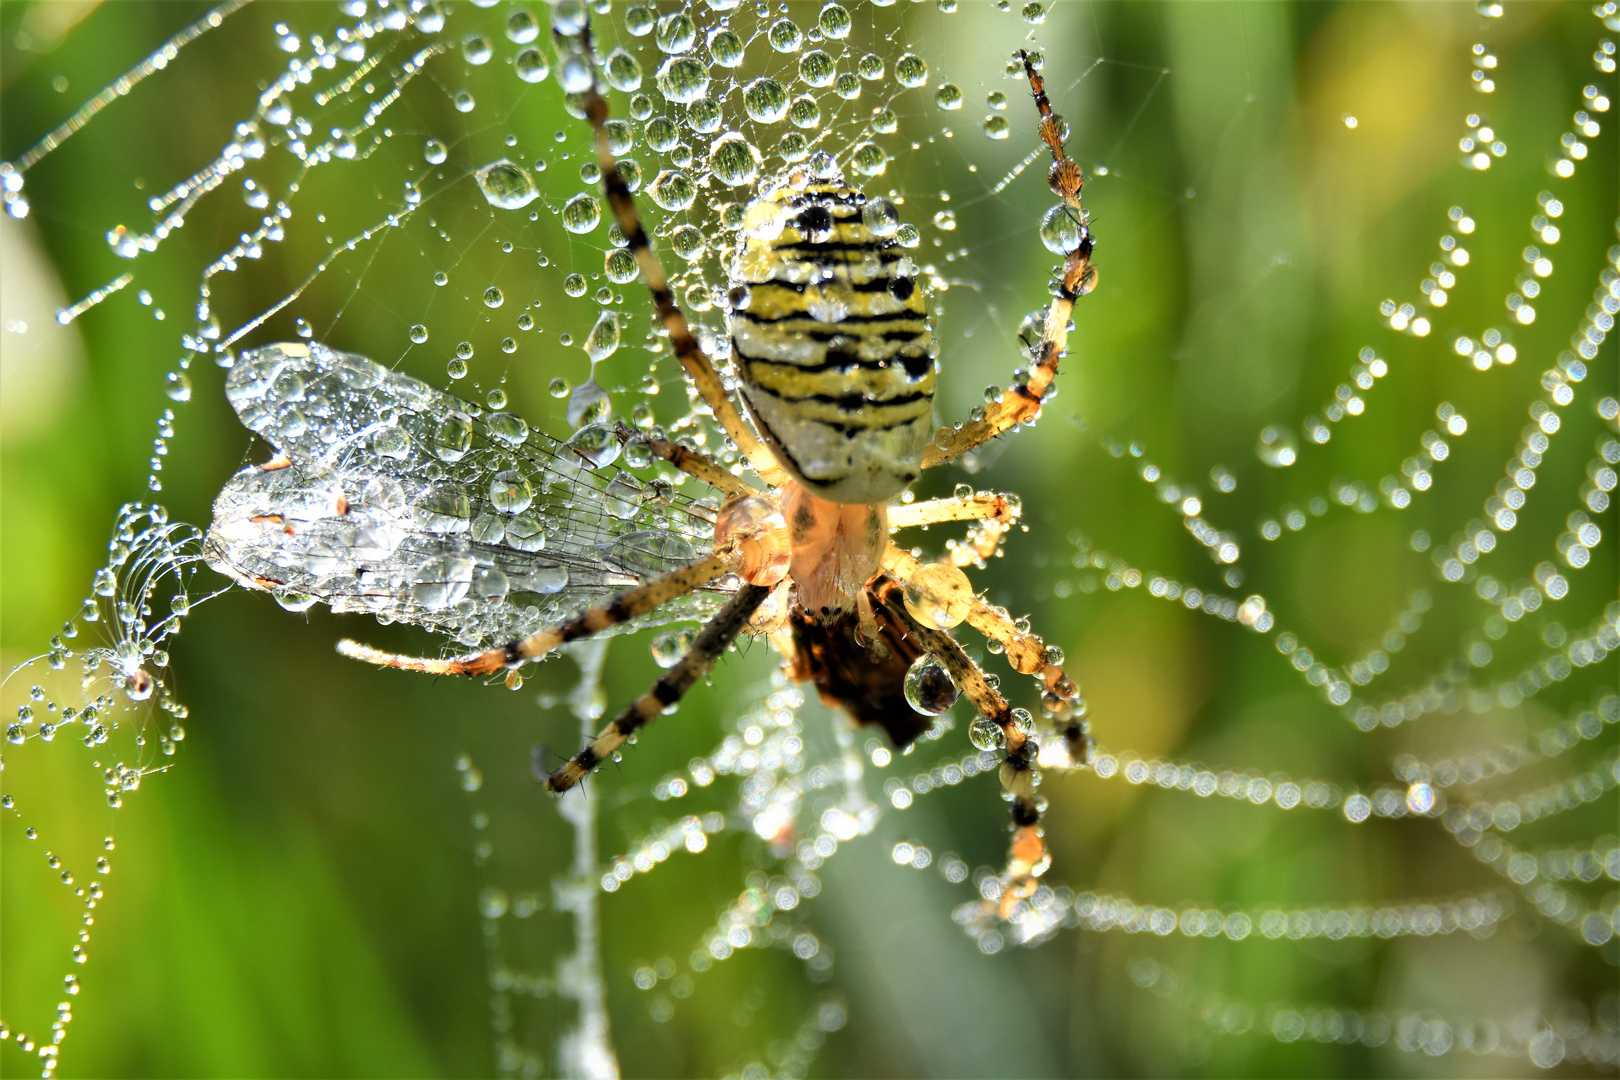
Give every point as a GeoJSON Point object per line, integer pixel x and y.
{"type": "Point", "coordinates": [981, 506]}
{"type": "Point", "coordinates": [1027, 858]}
{"type": "Point", "coordinates": [1026, 654]}
{"type": "Point", "coordinates": [707, 648]}
{"type": "Point", "coordinates": [687, 350]}
{"type": "Point", "coordinates": [690, 461]}
{"type": "Point", "coordinates": [622, 608]}
{"type": "Point", "coordinates": [1022, 402]}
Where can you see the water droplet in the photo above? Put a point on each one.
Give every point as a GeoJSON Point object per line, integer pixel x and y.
{"type": "Point", "coordinates": [497, 400]}
{"type": "Point", "coordinates": [986, 734]}
{"type": "Point", "coordinates": [662, 134]}
{"type": "Point", "coordinates": [1034, 13]}
{"type": "Point", "coordinates": [687, 242]}
{"type": "Point", "coordinates": [456, 368]}
{"type": "Point", "coordinates": [835, 21]}
{"type": "Point", "coordinates": [603, 340]}
{"type": "Point", "coordinates": [463, 101]}
{"type": "Point", "coordinates": [493, 297]}
{"type": "Point", "coordinates": [948, 97]}
{"type": "Point", "coordinates": [911, 70]}
{"type": "Point", "coordinates": [476, 49]}
{"type": "Point", "coordinates": [997, 127]}
{"type": "Point", "coordinates": [532, 66]}
{"type": "Point", "coordinates": [945, 220]}
{"type": "Point", "coordinates": [558, 387]}
{"type": "Point", "coordinates": [785, 36]}
{"type": "Point", "coordinates": [574, 285]}
{"type": "Point", "coordinates": [441, 279]}
{"type": "Point", "coordinates": [765, 100]}
{"type": "Point", "coordinates": [620, 266]}
{"type": "Point", "coordinates": [622, 71]}
{"type": "Point", "coordinates": [510, 492]}
{"type": "Point", "coordinates": [929, 688]}
{"type": "Point", "coordinates": [419, 333]}
{"type": "Point", "coordinates": [581, 214]}
{"type": "Point", "coordinates": [669, 646]}
{"type": "Point", "coordinates": [442, 581]}
{"type": "Point", "coordinates": [640, 18]}
{"type": "Point", "coordinates": [1060, 230]}
{"type": "Point", "coordinates": [870, 67]}
{"type": "Point", "coordinates": [726, 48]}
{"type": "Point", "coordinates": [880, 216]}
{"type": "Point", "coordinates": [683, 80]}
{"type": "Point", "coordinates": [733, 160]}
{"type": "Point", "coordinates": [816, 68]}
{"type": "Point", "coordinates": [675, 33]}
{"type": "Point", "coordinates": [588, 404]}
{"type": "Point", "coordinates": [507, 185]}
{"type": "Point", "coordinates": [177, 386]}
{"type": "Point", "coordinates": [598, 444]}
{"type": "Point", "coordinates": [672, 190]}
{"type": "Point", "coordinates": [869, 159]}
{"type": "Point", "coordinates": [804, 112]}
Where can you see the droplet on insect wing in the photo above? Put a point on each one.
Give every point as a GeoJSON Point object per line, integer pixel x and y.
{"type": "Point", "coordinates": [929, 688]}
{"type": "Point", "coordinates": [587, 403]}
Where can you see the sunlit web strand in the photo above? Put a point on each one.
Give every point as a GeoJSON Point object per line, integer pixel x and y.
{"type": "Point", "coordinates": [126, 82]}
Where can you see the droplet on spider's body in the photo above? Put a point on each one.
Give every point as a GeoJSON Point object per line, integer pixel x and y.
{"type": "Point", "coordinates": [669, 646]}
{"type": "Point", "coordinates": [929, 688]}
{"type": "Point", "coordinates": [939, 595]}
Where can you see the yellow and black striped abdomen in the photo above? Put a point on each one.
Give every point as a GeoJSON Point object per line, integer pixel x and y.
{"type": "Point", "coordinates": [831, 337]}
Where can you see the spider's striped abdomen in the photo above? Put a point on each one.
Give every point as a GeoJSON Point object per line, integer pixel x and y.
{"type": "Point", "coordinates": [830, 335]}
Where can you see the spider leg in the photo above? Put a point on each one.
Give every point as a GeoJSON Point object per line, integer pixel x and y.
{"type": "Point", "coordinates": [689, 461]}
{"type": "Point", "coordinates": [696, 363]}
{"type": "Point", "coordinates": [1026, 654]}
{"type": "Point", "coordinates": [622, 608]}
{"type": "Point", "coordinates": [707, 648]}
{"type": "Point", "coordinates": [1022, 403]}
{"type": "Point", "coordinates": [1027, 858]}
{"type": "Point", "coordinates": [994, 513]}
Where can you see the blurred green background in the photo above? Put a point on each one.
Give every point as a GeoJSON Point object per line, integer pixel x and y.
{"type": "Point", "coordinates": [298, 893]}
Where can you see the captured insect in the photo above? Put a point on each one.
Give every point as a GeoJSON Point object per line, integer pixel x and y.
{"type": "Point", "coordinates": [392, 497]}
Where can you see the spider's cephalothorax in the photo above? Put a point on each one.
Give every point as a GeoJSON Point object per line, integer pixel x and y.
{"type": "Point", "coordinates": [830, 336]}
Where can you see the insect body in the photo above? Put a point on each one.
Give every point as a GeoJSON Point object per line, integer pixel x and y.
{"type": "Point", "coordinates": [830, 334]}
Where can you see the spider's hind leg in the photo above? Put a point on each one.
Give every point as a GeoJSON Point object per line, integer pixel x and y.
{"type": "Point", "coordinates": [707, 648]}
{"type": "Point", "coordinates": [1027, 858]}
{"type": "Point", "coordinates": [1022, 403]}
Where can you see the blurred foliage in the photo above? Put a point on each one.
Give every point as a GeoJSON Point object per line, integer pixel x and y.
{"type": "Point", "coordinates": [299, 892]}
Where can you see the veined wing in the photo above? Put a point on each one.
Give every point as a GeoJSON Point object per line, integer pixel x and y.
{"type": "Point", "coordinates": [397, 499]}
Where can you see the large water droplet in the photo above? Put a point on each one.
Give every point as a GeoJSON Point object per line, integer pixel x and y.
{"type": "Point", "coordinates": [726, 48]}
{"type": "Point", "coordinates": [507, 185]}
{"type": "Point", "coordinates": [620, 266]}
{"type": "Point", "coordinates": [622, 71]}
{"type": "Point", "coordinates": [881, 217]}
{"type": "Point", "coordinates": [442, 581]}
{"type": "Point", "coordinates": [835, 21]}
{"type": "Point", "coordinates": [997, 127]}
{"type": "Point", "coordinates": [581, 214]}
{"type": "Point", "coordinates": [671, 190]}
{"type": "Point", "coordinates": [911, 70]}
{"type": "Point", "coordinates": [816, 68]}
{"type": "Point", "coordinates": [986, 734]}
{"type": "Point", "coordinates": [676, 33]}
{"type": "Point", "coordinates": [765, 101]}
{"type": "Point", "coordinates": [869, 159]}
{"type": "Point", "coordinates": [929, 688]}
{"type": "Point", "coordinates": [683, 79]}
{"type": "Point", "coordinates": [603, 340]}
{"type": "Point", "coordinates": [785, 36]}
{"type": "Point", "coordinates": [510, 492]}
{"type": "Point", "coordinates": [531, 66]}
{"type": "Point", "coordinates": [948, 97]}
{"type": "Point", "coordinates": [1060, 230]}
{"type": "Point", "coordinates": [733, 160]}
{"type": "Point", "coordinates": [588, 404]}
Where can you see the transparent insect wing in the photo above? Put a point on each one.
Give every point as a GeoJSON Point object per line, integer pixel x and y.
{"type": "Point", "coordinates": [401, 501]}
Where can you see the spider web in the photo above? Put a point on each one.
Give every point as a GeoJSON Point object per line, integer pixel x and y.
{"type": "Point", "coordinates": [1321, 519]}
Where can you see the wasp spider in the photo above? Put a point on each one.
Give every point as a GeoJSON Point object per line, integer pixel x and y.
{"type": "Point", "coordinates": [832, 343]}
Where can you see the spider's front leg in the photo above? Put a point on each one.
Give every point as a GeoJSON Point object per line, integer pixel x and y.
{"type": "Point", "coordinates": [710, 643]}
{"type": "Point", "coordinates": [696, 363]}
{"type": "Point", "coordinates": [1068, 225]}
